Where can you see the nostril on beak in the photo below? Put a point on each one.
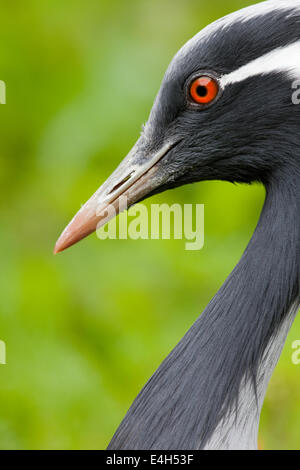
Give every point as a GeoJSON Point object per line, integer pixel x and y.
{"type": "Point", "coordinates": [119, 185]}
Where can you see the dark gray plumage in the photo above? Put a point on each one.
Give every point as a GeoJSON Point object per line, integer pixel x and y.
{"type": "Point", "coordinates": [209, 391]}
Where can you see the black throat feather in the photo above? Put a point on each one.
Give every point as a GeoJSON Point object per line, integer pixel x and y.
{"type": "Point", "coordinates": [182, 404]}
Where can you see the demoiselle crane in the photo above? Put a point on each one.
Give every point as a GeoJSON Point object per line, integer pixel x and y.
{"type": "Point", "coordinates": [224, 112]}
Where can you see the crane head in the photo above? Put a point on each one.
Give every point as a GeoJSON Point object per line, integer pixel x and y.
{"type": "Point", "coordinates": [224, 111]}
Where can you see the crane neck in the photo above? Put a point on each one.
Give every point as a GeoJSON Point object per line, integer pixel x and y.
{"type": "Point", "coordinates": [209, 391]}
{"type": "Point", "coordinates": [261, 299]}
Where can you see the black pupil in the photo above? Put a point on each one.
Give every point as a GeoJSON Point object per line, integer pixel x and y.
{"type": "Point", "coordinates": [202, 91]}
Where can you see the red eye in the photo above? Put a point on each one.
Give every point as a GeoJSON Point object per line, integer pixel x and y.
{"type": "Point", "coordinates": [204, 89]}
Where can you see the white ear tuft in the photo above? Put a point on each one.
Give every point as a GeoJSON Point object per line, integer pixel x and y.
{"type": "Point", "coordinates": [283, 59]}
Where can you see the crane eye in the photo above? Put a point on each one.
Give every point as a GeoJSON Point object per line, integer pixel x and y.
{"type": "Point", "coordinates": [204, 90]}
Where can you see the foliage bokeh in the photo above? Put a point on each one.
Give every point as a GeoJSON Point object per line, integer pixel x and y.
{"type": "Point", "coordinates": [85, 329]}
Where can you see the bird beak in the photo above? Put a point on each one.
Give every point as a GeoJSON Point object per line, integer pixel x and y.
{"type": "Point", "coordinates": [134, 179]}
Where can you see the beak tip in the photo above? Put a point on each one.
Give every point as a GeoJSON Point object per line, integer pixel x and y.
{"type": "Point", "coordinates": [56, 250]}
{"type": "Point", "coordinates": [59, 247]}
{"type": "Point", "coordinates": [73, 233]}
{"type": "Point", "coordinates": [63, 242]}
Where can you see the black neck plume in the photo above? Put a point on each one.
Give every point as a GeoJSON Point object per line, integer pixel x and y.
{"type": "Point", "coordinates": [234, 345]}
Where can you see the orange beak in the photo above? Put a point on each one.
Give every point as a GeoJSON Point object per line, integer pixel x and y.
{"type": "Point", "coordinates": [135, 178]}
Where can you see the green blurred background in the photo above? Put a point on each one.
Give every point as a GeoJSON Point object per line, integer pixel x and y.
{"type": "Point", "coordinates": [85, 329]}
